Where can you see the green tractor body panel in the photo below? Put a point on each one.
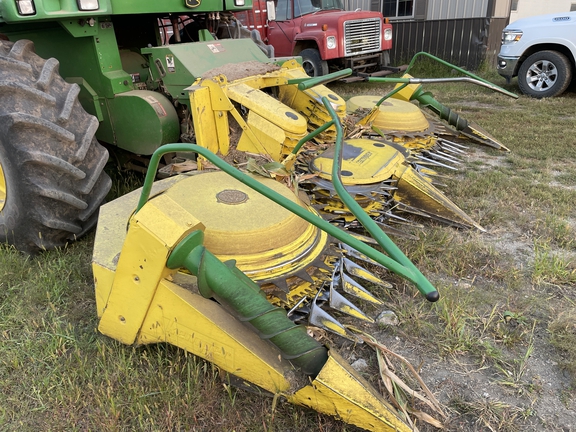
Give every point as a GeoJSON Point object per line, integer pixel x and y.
{"type": "Point", "coordinates": [50, 10]}
{"type": "Point", "coordinates": [178, 66]}
{"type": "Point", "coordinates": [117, 57]}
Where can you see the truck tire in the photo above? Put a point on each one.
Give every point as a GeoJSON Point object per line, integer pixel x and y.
{"type": "Point", "coordinates": [545, 74]}
{"type": "Point", "coordinates": [313, 63]}
{"type": "Point", "coordinates": [51, 166]}
{"type": "Point", "coordinates": [384, 60]}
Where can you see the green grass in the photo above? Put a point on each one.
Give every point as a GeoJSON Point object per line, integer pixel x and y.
{"type": "Point", "coordinates": [507, 299]}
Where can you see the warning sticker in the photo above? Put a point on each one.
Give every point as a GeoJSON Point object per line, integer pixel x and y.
{"type": "Point", "coordinates": [216, 48]}
{"type": "Point", "coordinates": [170, 63]}
{"type": "Point", "coordinates": [160, 111]}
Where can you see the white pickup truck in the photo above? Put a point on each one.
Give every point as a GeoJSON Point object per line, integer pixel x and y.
{"type": "Point", "coordinates": [541, 51]}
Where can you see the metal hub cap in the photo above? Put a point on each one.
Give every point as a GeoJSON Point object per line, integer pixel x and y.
{"type": "Point", "coordinates": [308, 68]}
{"type": "Point", "coordinates": [542, 75]}
{"type": "Point", "coordinates": [232, 197]}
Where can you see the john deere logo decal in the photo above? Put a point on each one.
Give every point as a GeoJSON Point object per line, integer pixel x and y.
{"type": "Point", "coordinates": [193, 3]}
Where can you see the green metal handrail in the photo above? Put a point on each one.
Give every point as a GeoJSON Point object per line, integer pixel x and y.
{"type": "Point", "coordinates": [470, 78]}
{"type": "Point", "coordinates": [404, 268]}
{"type": "Point", "coordinates": [306, 83]}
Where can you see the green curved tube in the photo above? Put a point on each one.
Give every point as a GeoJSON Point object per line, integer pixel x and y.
{"type": "Point", "coordinates": [236, 291]}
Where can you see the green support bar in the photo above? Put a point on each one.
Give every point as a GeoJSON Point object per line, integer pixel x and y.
{"type": "Point", "coordinates": [306, 83]}
{"type": "Point", "coordinates": [423, 285]}
{"type": "Point", "coordinates": [470, 77]}
{"type": "Point", "coordinates": [224, 282]}
{"type": "Point", "coordinates": [406, 269]}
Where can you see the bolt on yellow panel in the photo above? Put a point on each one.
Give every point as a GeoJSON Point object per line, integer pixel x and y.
{"type": "Point", "coordinates": [111, 233]}
{"type": "Point", "coordinates": [142, 264]}
{"type": "Point", "coordinates": [203, 118]}
{"type": "Point", "coordinates": [267, 106]}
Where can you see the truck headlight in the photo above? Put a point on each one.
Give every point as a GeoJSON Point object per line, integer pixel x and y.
{"type": "Point", "coordinates": [88, 5]}
{"type": "Point", "coordinates": [511, 36]}
{"type": "Point", "coordinates": [387, 34]}
{"type": "Point", "coordinates": [25, 7]}
{"type": "Point", "coordinates": [331, 42]}
{"type": "Point", "coordinates": [238, 2]}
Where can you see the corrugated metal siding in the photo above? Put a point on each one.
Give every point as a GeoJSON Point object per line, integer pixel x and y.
{"type": "Point", "coordinates": [495, 39]}
{"type": "Point", "coordinates": [464, 42]}
{"type": "Point", "coordinates": [453, 9]}
{"type": "Point", "coordinates": [365, 5]}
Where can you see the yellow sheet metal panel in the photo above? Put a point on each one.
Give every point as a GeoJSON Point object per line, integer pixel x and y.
{"type": "Point", "coordinates": [103, 280]}
{"type": "Point", "coordinates": [394, 115]}
{"type": "Point", "coordinates": [268, 107]}
{"type": "Point", "coordinates": [113, 220]}
{"type": "Point", "coordinates": [340, 391]}
{"type": "Point", "coordinates": [111, 232]}
{"type": "Point", "coordinates": [142, 264]}
{"type": "Point", "coordinates": [270, 137]}
{"type": "Point", "coordinates": [203, 118]}
{"type": "Point", "coordinates": [406, 93]}
{"type": "Point", "coordinates": [221, 105]}
{"type": "Point", "coordinates": [203, 328]}
{"type": "Point", "coordinates": [363, 162]}
{"type": "Point", "coordinates": [167, 218]}
{"type": "Point", "coordinates": [238, 219]}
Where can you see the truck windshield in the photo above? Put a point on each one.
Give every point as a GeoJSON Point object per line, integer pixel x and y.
{"type": "Point", "coordinates": [304, 7]}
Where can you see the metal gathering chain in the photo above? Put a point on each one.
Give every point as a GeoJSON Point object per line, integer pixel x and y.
{"type": "Point", "coordinates": [362, 36]}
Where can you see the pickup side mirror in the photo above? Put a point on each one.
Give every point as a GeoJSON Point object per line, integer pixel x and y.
{"type": "Point", "coordinates": [271, 9]}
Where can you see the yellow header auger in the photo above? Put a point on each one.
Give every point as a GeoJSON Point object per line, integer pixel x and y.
{"type": "Point", "coordinates": [229, 265]}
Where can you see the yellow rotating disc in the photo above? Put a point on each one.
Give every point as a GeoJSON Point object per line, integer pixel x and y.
{"type": "Point", "coordinates": [394, 115]}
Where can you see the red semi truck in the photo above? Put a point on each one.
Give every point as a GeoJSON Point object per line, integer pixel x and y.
{"type": "Point", "coordinates": [324, 34]}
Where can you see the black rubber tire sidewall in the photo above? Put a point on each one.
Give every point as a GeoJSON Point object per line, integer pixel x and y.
{"type": "Point", "coordinates": [314, 60]}
{"type": "Point", "coordinates": [384, 60]}
{"type": "Point", "coordinates": [563, 79]}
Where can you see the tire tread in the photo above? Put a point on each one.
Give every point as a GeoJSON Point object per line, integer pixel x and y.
{"type": "Point", "coordinates": [54, 164]}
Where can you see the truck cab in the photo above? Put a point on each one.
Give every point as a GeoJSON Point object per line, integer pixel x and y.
{"type": "Point", "coordinates": [325, 35]}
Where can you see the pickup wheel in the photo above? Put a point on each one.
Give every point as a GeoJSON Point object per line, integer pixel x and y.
{"type": "Point", "coordinates": [51, 167]}
{"type": "Point", "coordinates": [545, 74]}
{"type": "Point", "coordinates": [313, 63]}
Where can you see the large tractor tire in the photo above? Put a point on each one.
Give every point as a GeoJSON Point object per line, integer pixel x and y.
{"type": "Point", "coordinates": [51, 166]}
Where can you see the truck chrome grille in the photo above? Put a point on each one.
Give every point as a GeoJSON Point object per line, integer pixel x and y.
{"type": "Point", "coordinates": [362, 36]}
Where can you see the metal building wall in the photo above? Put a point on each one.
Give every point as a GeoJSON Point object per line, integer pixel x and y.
{"type": "Point", "coordinates": [453, 9]}
{"type": "Point", "coordinates": [464, 32]}
{"type": "Point", "coordinates": [464, 42]}
{"type": "Point", "coordinates": [366, 5]}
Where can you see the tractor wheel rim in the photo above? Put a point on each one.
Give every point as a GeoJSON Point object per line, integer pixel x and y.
{"type": "Point", "coordinates": [2, 188]}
